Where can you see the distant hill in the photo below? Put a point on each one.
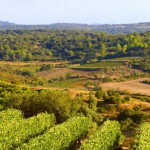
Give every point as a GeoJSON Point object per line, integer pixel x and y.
{"type": "Point", "coordinates": [114, 29]}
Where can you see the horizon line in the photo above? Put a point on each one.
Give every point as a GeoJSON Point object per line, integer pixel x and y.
{"type": "Point", "coordinates": [75, 23]}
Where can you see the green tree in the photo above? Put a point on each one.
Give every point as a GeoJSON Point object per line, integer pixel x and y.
{"type": "Point", "coordinates": [103, 50]}
{"type": "Point", "coordinates": [124, 49]}
{"type": "Point", "coordinates": [29, 56]}
{"type": "Point", "coordinates": [119, 48]}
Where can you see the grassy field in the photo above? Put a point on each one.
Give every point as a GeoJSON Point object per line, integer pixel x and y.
{"type": "Point", "coordinates": [125, 59]}
{"type": "Point", "coordinates": [71, 83]}
{"type": "Point", "coordinates": [103, 64]}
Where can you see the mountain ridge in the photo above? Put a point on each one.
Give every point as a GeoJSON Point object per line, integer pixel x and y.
{"type": "Point", "coordinates": [110, 28]}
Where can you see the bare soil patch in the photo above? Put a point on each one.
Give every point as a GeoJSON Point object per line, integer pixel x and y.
{"type": "Point", "coordinates": [61, 72]}
{"type": "Point", "coordinates": [133, 86]}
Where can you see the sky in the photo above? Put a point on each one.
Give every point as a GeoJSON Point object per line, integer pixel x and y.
{"type": "Point", "coordinates": [75, 11]}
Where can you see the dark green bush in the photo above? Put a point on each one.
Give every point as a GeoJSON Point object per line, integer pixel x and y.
{"type": "Point", "coordinates": [45, 67]}
{"type": "Point", "coordinates": [114, 97]}
{"type": "Point", "coordinates": [126, 124]}
{"type": "Point", "coordinates": [135, 114]}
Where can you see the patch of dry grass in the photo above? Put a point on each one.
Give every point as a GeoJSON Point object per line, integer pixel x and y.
{"type": "Point", "coordinates": [133, 86]}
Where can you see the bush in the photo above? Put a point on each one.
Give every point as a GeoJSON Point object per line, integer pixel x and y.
{"type": "Point", "coordinates": [135, 114]}
{"type": "Point", "coordinates": [107, 79]}
{"type": "Point", "coordinates": [100, 94]}
{"type": "Point", "coordinates": [35, 102]}
{"type": "Point", "coordinates": [114, 97]}
{"type": "Point", "coordinates": [45, 67]}
{"type": "Point", "coordinates": [126, 124]}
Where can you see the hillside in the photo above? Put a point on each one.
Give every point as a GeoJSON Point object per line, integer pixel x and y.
{"type": "Point", "coordinates": [74, 46]}
{"type": "Point", "coordinates": [110, 28]}
{"type": "Point", "coordinates": [62, 86]}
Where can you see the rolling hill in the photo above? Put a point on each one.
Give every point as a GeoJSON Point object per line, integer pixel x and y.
{"type": "Point", "coordinates": [114, 29]}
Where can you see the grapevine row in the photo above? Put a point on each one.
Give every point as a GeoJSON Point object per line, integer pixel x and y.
{"type": "Point", "coordinates": [6, 116]}
{"type": "Point", "coordinates": [142, 141]}
{"type": "Point", "coordinates": [105, 138]}
{"type": "Point", "coordinates": [23, 130]}
{"type": "Point", "coordinates": [61, 136]}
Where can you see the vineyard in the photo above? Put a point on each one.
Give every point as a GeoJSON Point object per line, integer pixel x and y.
{"type": "Point", "coordinates": [41, 132]}
{"type": "Point", "coordinates": [143, 137]}
{"type": "Point", "coordinates": [69, 89]}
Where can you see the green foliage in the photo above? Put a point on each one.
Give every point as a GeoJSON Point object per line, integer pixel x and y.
{"type": "Point", "coordinates": [119, 48]}
{"type": "Point", "coordinates": [103, 50]}
{"type": "Point", "coordinates": [126, 124]}
{"type": "Point", "coordinates": [141, 97]}
{"type": "Point", "coordinates": [35, 102]}
{"type": "Point", "coordinates": [45, 67]}
{"type": "Point", "coordinates": [14, 134]}
{"type": "Point", "coordinates": [61, 136]}
{"type": "Point", "coordinates": [7, 90]}
{"type": "Point", "coordinates": [75, 46]}
{"type": "Point", "coordinates": [106, 137]}
{"type": "Point", "coordinates": [143, 64]}
{"type": "Point", "coordinates": [64, 83]}
{"type": "Point", "coordinates": [142, 141]}
{"type": "Point", "coordinates": [135, 114]}
{"type": "Point", "coordinates": [60, 103]}
{"type": "Point", "coordinates": [88, 109]}
{"type": "Point", "coordinates": [102, 64]}
{"type": "Point", "coordinates": [114, 97]}
{"type": "Point", "coordinates": [107, 79]}
{"type": "Point", "coordinates": [92, 85]}
{"type": "Point", "coordinates": [100, 93]}
{"type": "Point", "coordinates": [24, 73]}
{"type": "Point", "coordinates": [10, 115]}
{"type": "Point", "coordinates": [20, 75]}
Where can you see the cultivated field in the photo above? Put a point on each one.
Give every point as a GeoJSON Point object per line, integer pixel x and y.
{"type": "Point", "coordinates": [133, 86]}
{"type": "Point", "coordinates": [60, 72]}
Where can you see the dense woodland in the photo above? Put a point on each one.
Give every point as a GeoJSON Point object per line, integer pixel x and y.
{"type": "Point", "coordinates": [75, 46]}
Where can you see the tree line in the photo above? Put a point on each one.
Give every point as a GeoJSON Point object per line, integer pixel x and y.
{"type": "Point", "coordinates": [75, 46]}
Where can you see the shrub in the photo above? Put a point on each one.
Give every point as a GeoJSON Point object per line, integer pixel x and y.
{"type": "Point", "coordinates": [135, 114]}
{"type": "Point", "coordinates": [100, 94]}
{"type": "Point", "coordinates": [45, 67]}
{"type": "Point", "coordinates": [126, 124]}
{"type": "Point", "coordinates": [107, 79]}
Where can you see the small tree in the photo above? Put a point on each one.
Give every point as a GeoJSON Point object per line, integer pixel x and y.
{"type": "Point", "coordinates": [119, 48]}
{"type": "Point", "coordinates": [103, 50]}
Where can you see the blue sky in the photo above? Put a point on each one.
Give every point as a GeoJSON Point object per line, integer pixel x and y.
{"type": "Point", "coordinates": [75, 11]}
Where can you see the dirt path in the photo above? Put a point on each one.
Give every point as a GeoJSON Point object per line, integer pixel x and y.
{"type": "Point", "coordinates": [133, 86]}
